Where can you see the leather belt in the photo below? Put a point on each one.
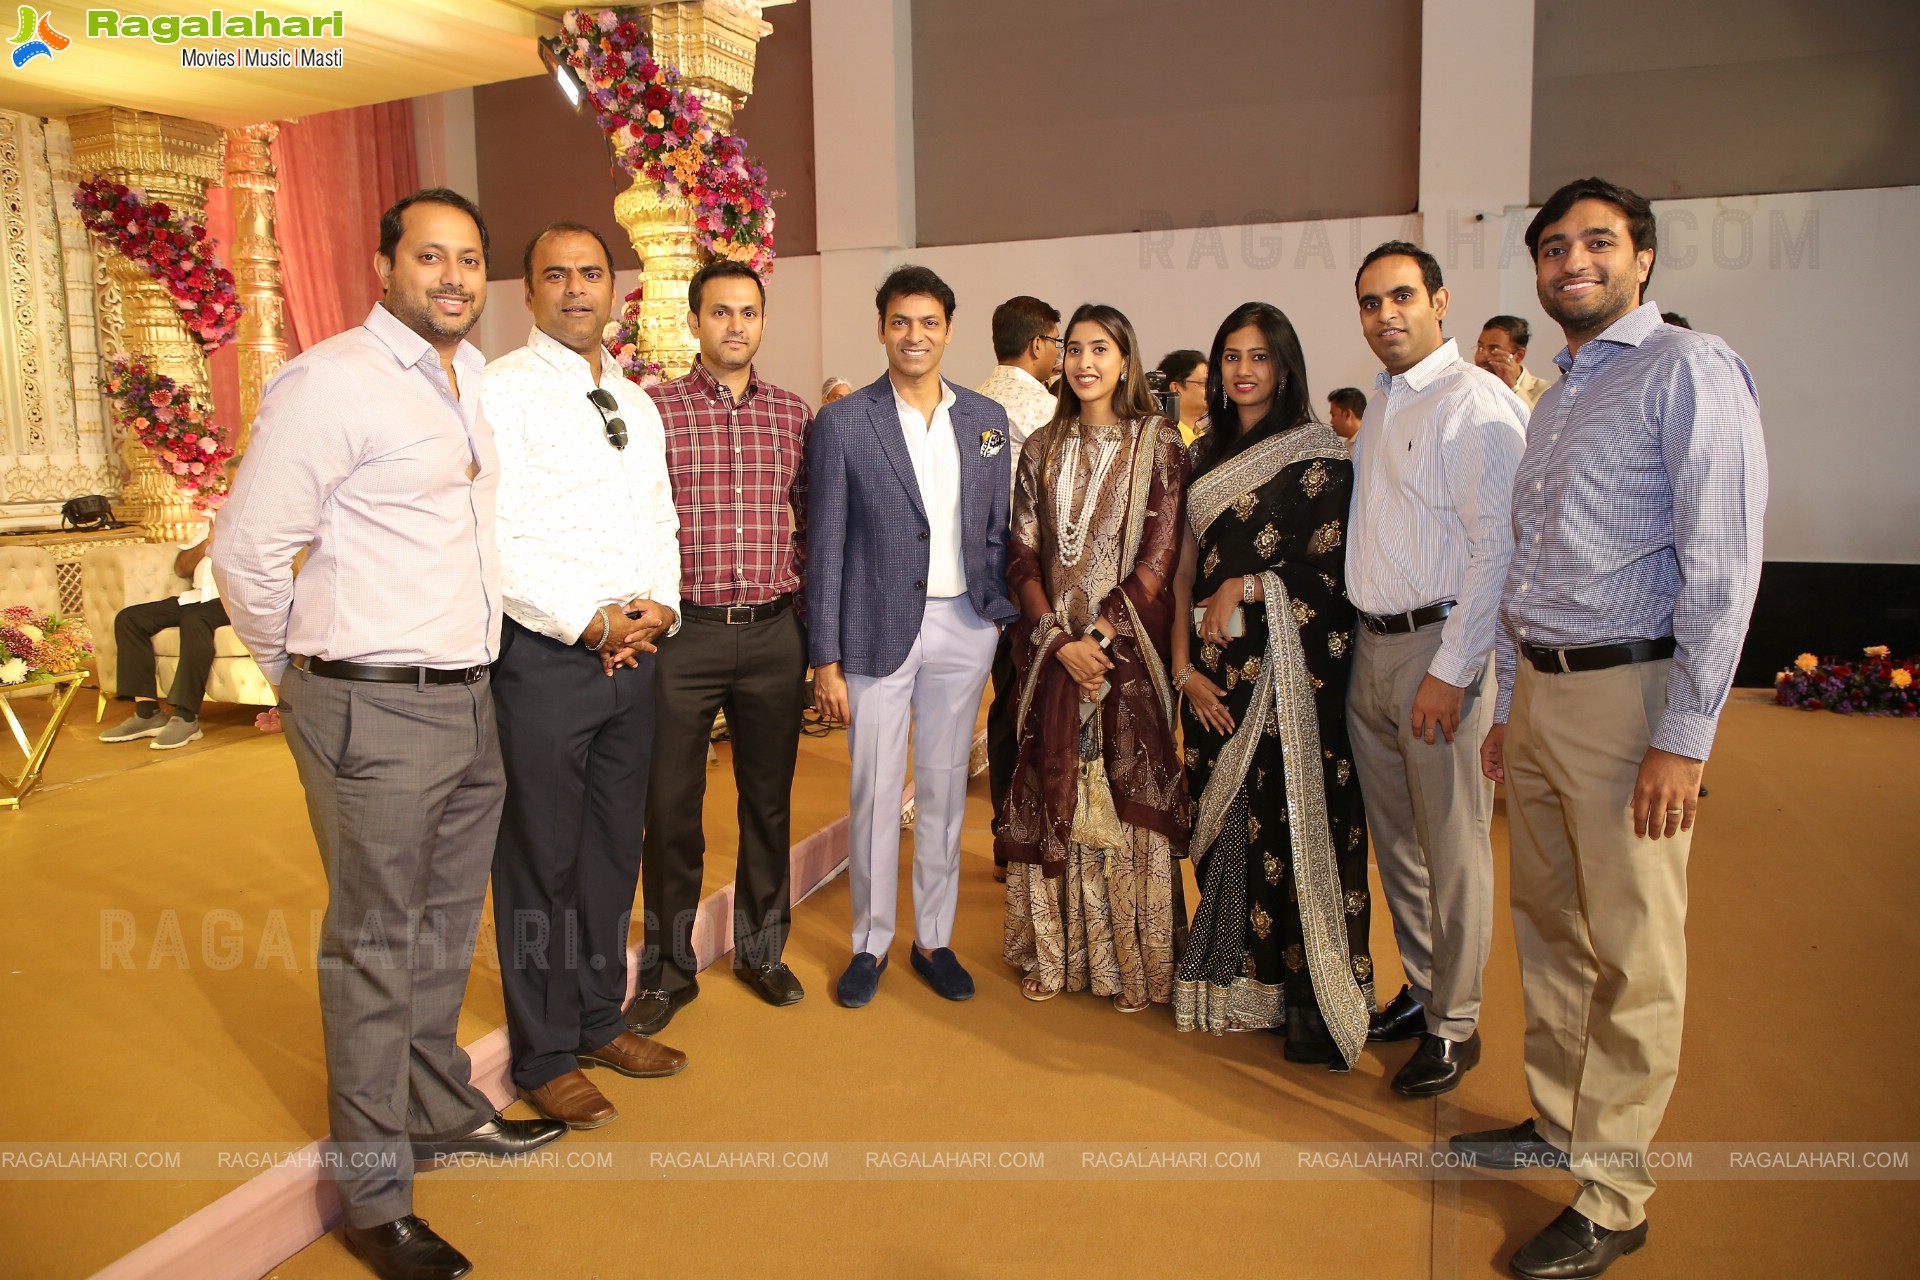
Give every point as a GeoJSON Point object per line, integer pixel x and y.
{"type": "Point", "coordinates": [381, 674]}
{"type": "Point", "coordinates": [739, 615]}
{"type": "Point", "coordinates": [1400, 623]}
{"type": "Point", "coordinates": [1596, 657]}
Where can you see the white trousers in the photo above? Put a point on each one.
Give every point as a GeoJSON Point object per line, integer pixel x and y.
{"type": "Point", "coordinates": [936, 693]}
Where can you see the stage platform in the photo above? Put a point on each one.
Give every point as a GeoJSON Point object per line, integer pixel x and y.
{"type": "Point", "coordinates": [138, 1011]}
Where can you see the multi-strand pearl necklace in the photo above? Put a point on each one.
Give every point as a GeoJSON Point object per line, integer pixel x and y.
{"type": "Point", "coordinates": [1071, 536]}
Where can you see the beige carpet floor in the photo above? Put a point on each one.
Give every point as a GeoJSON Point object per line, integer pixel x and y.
{"type": "Point", "coordinates": [1806, 915]}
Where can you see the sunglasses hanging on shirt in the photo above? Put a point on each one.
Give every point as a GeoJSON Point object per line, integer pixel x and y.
{"type": "Point", "coordinates": [616, 429]}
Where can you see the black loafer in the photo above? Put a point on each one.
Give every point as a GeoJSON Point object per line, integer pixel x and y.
{"type": "Point", "coordinates": [1404, 1018]}
{"type": "Point", "coordinates": [651, 1011]}
{"type": "Point", "coordinates": [942, 970]}
{"type": "Point", "coordinates": [1574, 1247]}
{"type": "Point", "coordinates": [498, 1137]}
{"type": "Point", "coordinates": [405, 1249]}
{"type": "Point", "coordinates": [1520, 1147]}
{"type": "Point", "coordinates": [773, 983]}
{"type": "Point", "coordinates": [1437, 1066]}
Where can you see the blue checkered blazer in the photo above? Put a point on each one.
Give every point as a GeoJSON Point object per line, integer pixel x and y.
{"type": "Point", "coordinates": [867, 528]}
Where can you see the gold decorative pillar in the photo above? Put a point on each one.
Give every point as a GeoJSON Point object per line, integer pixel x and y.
{"type": "Point", "coordinates": [252, 182]}
{"type": "Point", "coordinates": [713, 43]}
{"type": "Point", "coordinates": [175, 161]}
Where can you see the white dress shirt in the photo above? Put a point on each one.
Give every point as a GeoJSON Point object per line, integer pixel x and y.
{"type": "Point", "coordinates": [1028, 403]}
{"type": "Point", "coordinates": [1431, 518]}
{"type": "Point", "coordinates": [204, 588]}
{"type": "Point", "coordinates": [581, 524]}
{"type": "Point", "coordinates": [936, 468]}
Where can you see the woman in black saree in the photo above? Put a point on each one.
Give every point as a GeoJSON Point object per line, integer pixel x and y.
{"type": "Point", "coordinates": [1279, 939]}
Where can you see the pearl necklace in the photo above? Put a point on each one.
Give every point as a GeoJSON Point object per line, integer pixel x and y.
{"type": "Point", "coordinates": [1071, 536]}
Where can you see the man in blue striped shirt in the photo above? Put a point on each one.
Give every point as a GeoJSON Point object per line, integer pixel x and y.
{"type": "Point", "coordinates": [1637, 515]}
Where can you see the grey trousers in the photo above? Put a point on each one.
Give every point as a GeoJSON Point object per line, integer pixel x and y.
{"type": "Point", "coordinates": [404, 787]}
{"type": "Point", "coordinates": [1429, 811]}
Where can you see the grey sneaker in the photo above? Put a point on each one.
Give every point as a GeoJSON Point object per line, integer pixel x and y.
{"type": "Point", "coordinates": [136, 726]}
{"type": "Point", "coordinates": [178, 733]}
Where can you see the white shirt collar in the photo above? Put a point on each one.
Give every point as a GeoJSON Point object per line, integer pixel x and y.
{"type": "Point", "coordinates": [1421, 376]}
{"type": "Point", "coordinates": [1020, 375]}
{"type": "Point", "coordinates": [571, 362]}
{"type": "Point", "coordinates": [901, 406]}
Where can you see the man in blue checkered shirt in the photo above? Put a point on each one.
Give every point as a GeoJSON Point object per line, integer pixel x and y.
{"type": "Point", "coordinates": [1637, 515]}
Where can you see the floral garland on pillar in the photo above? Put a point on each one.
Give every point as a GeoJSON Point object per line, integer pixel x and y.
{"type": "Point", "coordinates": [660, 130]}
{"type": "Point", "coordinates": [176, 251]}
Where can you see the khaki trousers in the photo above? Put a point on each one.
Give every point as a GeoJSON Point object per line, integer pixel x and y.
{"type": "Point", "coordinates": [1429, 813]}
{"type": "Point", "coordinates": [1600, 921]}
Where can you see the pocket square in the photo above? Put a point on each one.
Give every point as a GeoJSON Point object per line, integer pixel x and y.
{"type": "Point", "coordinates": [992, 441]}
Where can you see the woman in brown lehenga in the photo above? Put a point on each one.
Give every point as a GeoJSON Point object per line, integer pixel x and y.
{"type": "Point", "coordinates": [1097, 810]}
{"type": "Point", "coordinates": [1279, 838]}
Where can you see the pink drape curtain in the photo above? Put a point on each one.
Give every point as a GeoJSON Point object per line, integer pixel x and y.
{"type": "Point", "coordinates": [338, 172]}
{"type": "Point", "coordinates": [223, 366]}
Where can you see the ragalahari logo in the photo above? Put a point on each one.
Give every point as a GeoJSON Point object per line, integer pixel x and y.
{"type": "Point", "coordinates": [36, 37]}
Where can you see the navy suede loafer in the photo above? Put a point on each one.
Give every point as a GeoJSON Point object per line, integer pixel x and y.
{"type": "Point", "coordinates": [943, 973]}
{"type": "Point", "coordinates": [861, 980]}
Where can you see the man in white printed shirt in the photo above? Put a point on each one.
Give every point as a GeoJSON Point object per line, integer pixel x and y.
{"type": "Point", "coordinates": [590, 564]}
{"type": "Point", "coordinates": [1026, 342]}
{"type": "Point", "coordinates": [1429, 541]}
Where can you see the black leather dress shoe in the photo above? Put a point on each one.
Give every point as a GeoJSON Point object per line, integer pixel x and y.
{"type": "Point", "coordinates": [1309, 1041]}
{"type": "Point", "coordinates": [1520, 1147]}
{"type": "Point", "coordinates": [499, 1137]}
{"type": "Point", "coordinates": [773, 983]}
{"type": "Point", "coordinates": [1404, 1018]}
{"type": "Point", "coordinates": [1437, 1066]}
{"type": "Point", "coordinates": [1574, 1247]}
{"type": "Point", "coordinates": [405, 1249]}
{"type": "Point", "coordinates": [651, 1011]}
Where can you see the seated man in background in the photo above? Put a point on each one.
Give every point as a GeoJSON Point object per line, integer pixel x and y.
{"type": "Point", "coordinates": [198, 613]}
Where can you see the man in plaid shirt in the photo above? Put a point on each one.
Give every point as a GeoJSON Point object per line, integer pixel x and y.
{"type": "Point", "coordinates": [735, 454]}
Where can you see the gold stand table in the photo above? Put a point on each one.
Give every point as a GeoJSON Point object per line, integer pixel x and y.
{"type": "Point", "coordinates": [63, 688]}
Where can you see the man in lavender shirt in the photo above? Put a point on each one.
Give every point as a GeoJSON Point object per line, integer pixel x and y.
{"type": "Point", "coordinates": [369, 451]}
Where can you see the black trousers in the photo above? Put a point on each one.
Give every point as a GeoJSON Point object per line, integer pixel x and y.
{"type": "Point", "coordinates": [134, 628]}
{"type": "Point", "coordinates": [576, 745]}
{"type": "Point", "coordinates": [756, 673]}
{"type": "Point", "coordinates": [1003, 735]}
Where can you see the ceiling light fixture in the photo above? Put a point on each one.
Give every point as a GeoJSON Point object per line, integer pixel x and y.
{"type": "Point", "coordinates": [556, 62]}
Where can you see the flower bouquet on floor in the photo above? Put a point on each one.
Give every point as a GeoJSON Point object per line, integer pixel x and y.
{"type": "Point", "coordinates": [35, 644]}
{"type": "Point", "coordinates": [1876, 685]}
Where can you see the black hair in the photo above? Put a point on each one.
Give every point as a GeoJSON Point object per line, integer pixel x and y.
{"type": "Point", "coordinates": [722, 269]}
{"type": "Point", "coordinates": [1429, 265]}
{"type": "Point", "coordinates": [390, 221]}
{"type": "Point", "coordinates": [1513, 326]}
{"type": "Point", "coordinates": [1291, 406]}
{"type": "Point", "coordinates": [905, 281]}
{"type": "Point", "coordinates": [560, 228]}
{"type": "Point", "coordinates": [1352, 399]}
{"type": "Point", "coordinates": [1179, 365]}
{"type": "Point", "coordinates": [1634, 207]}
{"type": "Point", "coordinates": [1676, 319]}
{"type": "Point", "coordinates": [1017, 322]}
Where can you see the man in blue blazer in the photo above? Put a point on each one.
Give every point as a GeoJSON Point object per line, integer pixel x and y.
{"type": "Point", "coordinates": [907, 484]}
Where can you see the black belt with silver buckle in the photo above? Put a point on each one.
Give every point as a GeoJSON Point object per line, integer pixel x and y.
{"type": "Point", "coordinates": [1401, 623]}
{"type": "Point", "coordinates": [1596, 657]}
{"type": "Point", "coordinates": [739, 615]}
{"type": "Point", "coordinates": [380, 674]}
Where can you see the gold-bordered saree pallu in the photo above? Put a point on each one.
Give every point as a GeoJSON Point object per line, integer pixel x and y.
{"type": "Point", "coordinates": [1265, 860]}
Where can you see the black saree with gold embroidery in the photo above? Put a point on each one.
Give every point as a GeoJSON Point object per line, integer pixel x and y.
{"type": "Point", "coordinates": [1279, 838]}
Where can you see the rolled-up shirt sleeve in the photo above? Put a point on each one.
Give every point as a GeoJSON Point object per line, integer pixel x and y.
{"type": "Point", "coordinates": [307, 437]}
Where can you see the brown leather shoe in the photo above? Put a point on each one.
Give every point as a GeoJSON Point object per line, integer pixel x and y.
{"type": "Point", "coordinates": [573, 1099]}
{"type": "Point", "coordinates": [637, 1056]}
